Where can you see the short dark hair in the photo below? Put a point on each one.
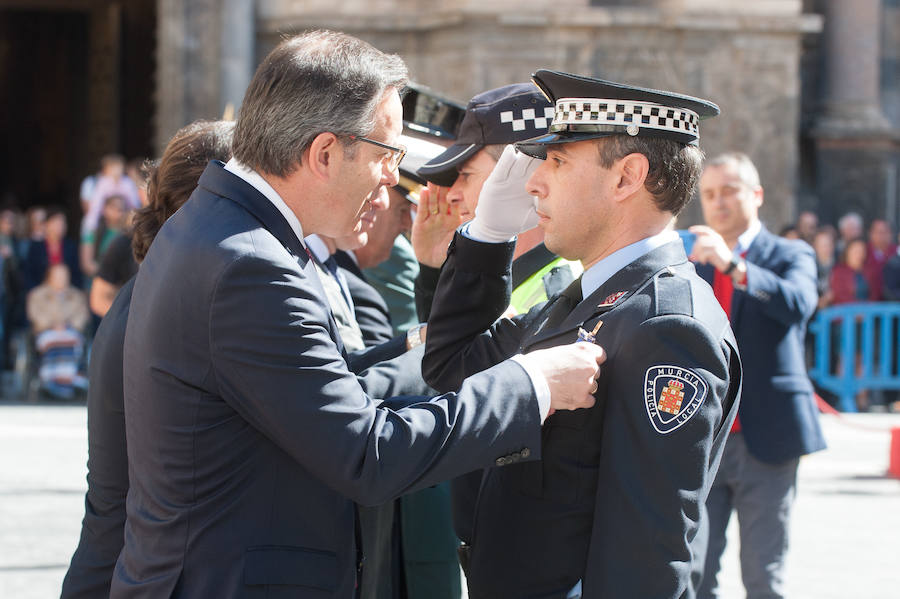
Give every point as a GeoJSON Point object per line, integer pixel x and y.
{"type": "Point", "coordinates": [316, 82]}
{"type": "Point", "coordinates": [173, 177]}
{"type": "Point", "coordinates": [674, 167]}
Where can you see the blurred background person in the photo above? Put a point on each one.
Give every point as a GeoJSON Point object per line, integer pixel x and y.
{"type": "Point", "coordinates": [823, 245]}
{"type": "Point", "coordinates": [850, 227]}
{"type": "Point", "coordinates": [767, 287]}
{"type": "Point", "coordinates": [879, 248]}
{"type": "Point", "coordinates": [807, 225]}
{"type": "Point", "coordinates": [95, 242]}
{"type": "Point", "coordinates": [35, 221]}
{"type": "Point", "coordinates": [850, 282]}
{"type": "Point", "coordinates": [111, 181]}
{"type": "Point", "coordinates": [58, 314]}
{"type": "Point", "coordinates": [51, 247]}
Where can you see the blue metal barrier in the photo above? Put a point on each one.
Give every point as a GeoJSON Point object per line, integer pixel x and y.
{"type": "Point", "coordinates": [853, 329]}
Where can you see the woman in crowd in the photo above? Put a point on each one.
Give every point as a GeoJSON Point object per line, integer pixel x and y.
{"type": "Point", "coordinates": [849, 280]}
{"type": "Point", "coordinates": [102, 533]}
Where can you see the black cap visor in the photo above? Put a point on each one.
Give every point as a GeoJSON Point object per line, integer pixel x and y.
{"type": "Point", "coordinates": [444, 168]}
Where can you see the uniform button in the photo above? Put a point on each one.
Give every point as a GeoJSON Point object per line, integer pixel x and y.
{"type": "Point", "coordinates": [500, 461]}
{"type": "Point", "coordinates": [525, 452]}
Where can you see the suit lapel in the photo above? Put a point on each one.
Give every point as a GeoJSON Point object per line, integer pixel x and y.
{"type": "Point", "coordinates": [625, 282]}
{"type": "Point", "coordinates": [217, 180]}
{"type": "Point", "coordinates": [755, 255]}
{"type": "Point", "coordinates": [229, 186]}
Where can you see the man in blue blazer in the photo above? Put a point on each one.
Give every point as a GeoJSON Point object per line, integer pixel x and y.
{"type": "Point", "coordinates": [767, 285]}
{"type": "Point", "coordinates": [248, 437]}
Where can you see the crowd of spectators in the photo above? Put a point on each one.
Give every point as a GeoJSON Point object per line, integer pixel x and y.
{"type": "Point", "coordinates": [855, 265]}
{"type": "Point", "coordinates": [48, 280]}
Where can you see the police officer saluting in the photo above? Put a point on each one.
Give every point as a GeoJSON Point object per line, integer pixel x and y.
{"type": "Point", "coordinates": [613, 507]}
{"type": "Point", "coordinates": [492, 119]}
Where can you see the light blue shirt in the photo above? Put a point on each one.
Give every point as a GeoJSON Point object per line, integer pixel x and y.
{"type": "Point", "coordinates": [746, 238]}
{"type": "Point", "coordinates": [601, 272]}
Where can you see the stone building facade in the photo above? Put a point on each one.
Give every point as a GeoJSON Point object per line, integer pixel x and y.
{"type": "Point", "coordinates": [744, 56]}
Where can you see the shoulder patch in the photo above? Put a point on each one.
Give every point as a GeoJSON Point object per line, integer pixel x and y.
{"type": "Point", "coordinates": [672, 395]}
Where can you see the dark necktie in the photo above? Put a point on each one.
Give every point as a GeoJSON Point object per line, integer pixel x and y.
{"type": "Point", "coordinates": [332, 266]}
{"type": "Point", "coordinates": [563, 305]}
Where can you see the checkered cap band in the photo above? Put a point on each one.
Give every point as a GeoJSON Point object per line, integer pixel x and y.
{"type": "Point", "coordinates": [519, 120]}
{"type": "Point", "coordinates": [594, 111]}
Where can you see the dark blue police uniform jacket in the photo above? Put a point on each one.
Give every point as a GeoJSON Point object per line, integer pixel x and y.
{"type": "Point", "coordinates": [248, 438]}
{"type": "Point", "coordinates": [778, 414]}
{"type": "Point", "coordinates": [616, 500]}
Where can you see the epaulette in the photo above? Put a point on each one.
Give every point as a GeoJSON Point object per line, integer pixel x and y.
{"type": "Point", "coordinates": [673, 293]}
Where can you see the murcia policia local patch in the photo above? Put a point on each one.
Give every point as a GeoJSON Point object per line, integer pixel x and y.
{"type": "Point", "coordinates": [672, 396]}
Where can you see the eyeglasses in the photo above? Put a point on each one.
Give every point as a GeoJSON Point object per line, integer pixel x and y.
{"type": "Point", "coordinates": [396, 155]}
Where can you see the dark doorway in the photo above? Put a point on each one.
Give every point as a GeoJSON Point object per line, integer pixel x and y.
{"type": "Point", "coordinates": [67, 98]}
{"type": "Point", "coordinates": [43, 105]}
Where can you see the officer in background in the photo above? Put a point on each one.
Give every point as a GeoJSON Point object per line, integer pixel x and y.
{"type": "Point", "coordinates": [493, 119]}
{"type": "Point", "coordinates": [614, 505]}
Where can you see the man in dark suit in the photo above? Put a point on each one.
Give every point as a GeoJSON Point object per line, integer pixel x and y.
{"type": "Point", "coordinates": [767, 285]}
{"type": "Point", "coordinates": [248, 438]}
{"type": "Point", "coordinates": [615, 503]}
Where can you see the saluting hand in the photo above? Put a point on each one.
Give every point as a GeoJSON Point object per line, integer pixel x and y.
{"type": "Point", "coordinates": [436, 221]}
{"type": "Point", "coordinates": [505, 208]}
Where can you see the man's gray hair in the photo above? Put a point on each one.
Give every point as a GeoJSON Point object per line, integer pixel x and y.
{"type": "Point", "coordinates": [851, 218]}
{"type": "Point", "coordinates": [746, 170]}
{"type": "Point", "coordinates": [316, 82]}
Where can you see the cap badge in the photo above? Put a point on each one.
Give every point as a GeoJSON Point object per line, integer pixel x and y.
{"type": "Point", "coordinates": [672, 395]}
{"type": "Point", "coordinates": [528, 114]}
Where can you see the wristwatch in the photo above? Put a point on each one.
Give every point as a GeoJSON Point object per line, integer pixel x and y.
{"type": "Point", "coordinates": [414, 336]}
{"type": "Point", "coordinates": [732, 265]}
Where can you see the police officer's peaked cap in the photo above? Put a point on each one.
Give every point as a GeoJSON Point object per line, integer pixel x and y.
{"type": "Point", "coordinates": [418, 152]}
{"type": "Point", "coordinates": [500, 116]}
{"type": "Point", "coordinates": [588, 108]}
{"type": "Point", "coordinates": [427, 112]}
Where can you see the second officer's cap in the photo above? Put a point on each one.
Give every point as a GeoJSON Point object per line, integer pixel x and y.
{"type": "Point", "coordinates": [588, 108]}
{"type": "Point", "coordinates": [500, 116]}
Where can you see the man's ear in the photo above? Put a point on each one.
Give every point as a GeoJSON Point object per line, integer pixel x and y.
{"type": "Point", "coordinates": [632, 171]}
{"type": "Point", "coordinates": [324, 155]}
{"type": "Point", "coordinates": [759, 196]}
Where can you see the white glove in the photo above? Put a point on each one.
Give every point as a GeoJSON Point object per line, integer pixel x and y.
{"type": "Point", "coordinates": [504, 208]}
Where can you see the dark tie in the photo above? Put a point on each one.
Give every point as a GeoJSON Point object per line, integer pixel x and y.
{"type": "Point", "coordinates": [332, 266]}
{"type": "Point", "coordinates": [563, 305]}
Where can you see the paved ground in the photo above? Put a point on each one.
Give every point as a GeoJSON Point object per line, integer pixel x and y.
{"type": "Point", "coordinates": [846, 528]}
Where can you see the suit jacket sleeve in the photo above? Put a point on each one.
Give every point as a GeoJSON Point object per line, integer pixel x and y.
{"type": "Point", "coordinates": [277, 365]}
{"type": "Point", "coordinates": [425, 285]}
{"type": "Point", "coordinates": [400, 376]}
{"type": "Point", "coordinates": [464, 335]}
{"type": "Point", "coordinates": [788, 295]}
{"type": "Point", "coordinates": [652, 483]}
